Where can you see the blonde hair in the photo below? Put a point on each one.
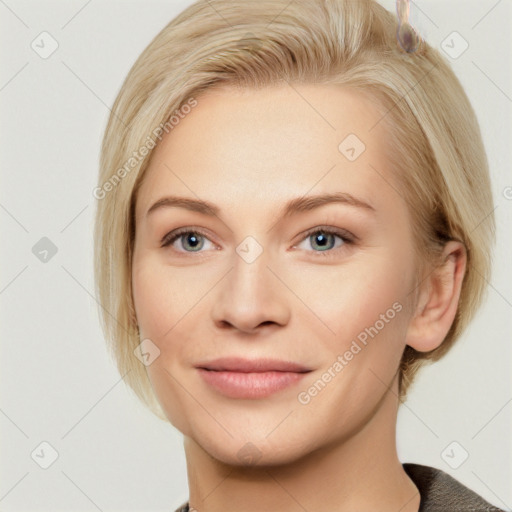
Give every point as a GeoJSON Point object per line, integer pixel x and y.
{"type": "Point", "coordinates": [438, 150]}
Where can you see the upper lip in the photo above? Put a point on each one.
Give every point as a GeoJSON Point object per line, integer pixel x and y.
{"type": "Point", "coordinates": [239, 364]}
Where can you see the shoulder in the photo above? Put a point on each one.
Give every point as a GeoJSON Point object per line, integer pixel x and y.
{"type": "Point", "coordinates": [442, 493]}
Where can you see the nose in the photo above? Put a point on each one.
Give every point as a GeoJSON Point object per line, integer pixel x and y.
{"type": "Point", "coordinates": [251, 297]}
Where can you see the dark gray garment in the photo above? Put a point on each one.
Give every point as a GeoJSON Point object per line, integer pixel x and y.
{"type": "Point", "coordinates": [441, 493]}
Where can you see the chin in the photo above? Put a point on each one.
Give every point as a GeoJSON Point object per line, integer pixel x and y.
{"type": "Point", "coordinates": [257, 450]}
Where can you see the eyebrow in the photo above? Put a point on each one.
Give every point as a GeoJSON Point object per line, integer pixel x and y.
{"type": "Point", "coordinates": [297, 205]}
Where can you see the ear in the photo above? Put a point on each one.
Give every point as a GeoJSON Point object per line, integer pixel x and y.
{"type": "Point", "coordinates": [438, 300]}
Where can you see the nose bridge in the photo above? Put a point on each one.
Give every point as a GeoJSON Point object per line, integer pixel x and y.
{"type": "Point", "coordinates": [250, 250]}
{"type": "Point", "coordinates": [250, 294]}
{"type": "Point", "coordinates": [250, 274]}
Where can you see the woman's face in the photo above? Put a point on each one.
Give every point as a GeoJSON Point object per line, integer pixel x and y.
{"type": "Point", "coordinates": [325, 286]}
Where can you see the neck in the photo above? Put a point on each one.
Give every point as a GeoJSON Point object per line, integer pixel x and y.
{"type": "Point", "coordinates": [358, 473]}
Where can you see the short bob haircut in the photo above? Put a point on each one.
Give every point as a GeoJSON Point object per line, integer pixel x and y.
{"type": "Point", "coordinates": [438, 153]}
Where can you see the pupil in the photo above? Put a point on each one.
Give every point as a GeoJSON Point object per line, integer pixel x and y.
{"type": "Point", "coordinates": [194, 240]}
{"type": "Point", "coordinates": [322, 240]}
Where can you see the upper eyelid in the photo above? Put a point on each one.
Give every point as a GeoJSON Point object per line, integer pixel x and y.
{"type": "Point", "coordinates": [176, 233]}
{"type": "Point", "coordinates": [341, 232]}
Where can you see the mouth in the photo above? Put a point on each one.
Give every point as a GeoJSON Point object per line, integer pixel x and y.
{"type": "Point", "coordinates": [251, 379]}
{"type": "Point", "coordinates": [238, 364]}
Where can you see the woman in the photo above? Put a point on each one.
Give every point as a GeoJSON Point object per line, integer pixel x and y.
{"type": "Point", "coordinates": [329, 184]}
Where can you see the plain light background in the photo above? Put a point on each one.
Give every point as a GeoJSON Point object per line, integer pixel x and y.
{"type": "Point", "coordinates": [57, 383]}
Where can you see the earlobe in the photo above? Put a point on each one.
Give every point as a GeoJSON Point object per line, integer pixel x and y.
{"type": "Point", "coordinates": [438, 300]}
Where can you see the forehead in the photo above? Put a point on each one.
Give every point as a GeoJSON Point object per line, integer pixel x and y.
{"type": "Point", "coordinates": [271, 143]}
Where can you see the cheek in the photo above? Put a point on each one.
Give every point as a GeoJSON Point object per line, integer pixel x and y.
{"type": "Point", "coordinates": [168, 307]}
{"type": "Point", "coordinates": [150, 302]}
{"type": "Point", "coordinates": [161, 297]}
{"type": "Point", "coordinates": [350, 298]}
{"type": "Point", "coordinates": [366, 310]}
{"type": "Point", "coordinates": [159, 305]}
{"type": "Point", "coordinates": [365, 307]}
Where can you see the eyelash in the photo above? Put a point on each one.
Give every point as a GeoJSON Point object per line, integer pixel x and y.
{"type": "Point", "coordinates": [345, 236]}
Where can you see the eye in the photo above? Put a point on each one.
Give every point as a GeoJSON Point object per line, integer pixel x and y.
{"type": "Point", "coordinates": [323, 240]}
{"type": "Point", "coordinates": [188, 238]}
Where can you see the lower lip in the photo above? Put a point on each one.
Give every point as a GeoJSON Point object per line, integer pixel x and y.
{"type": "Point", "coordinates": [249, 385]}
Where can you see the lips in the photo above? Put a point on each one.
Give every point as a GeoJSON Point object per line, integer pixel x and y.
{"type": "Point", "coordinates": [238, 364]}
{"type": "Point", "coordinates": [250, 379]}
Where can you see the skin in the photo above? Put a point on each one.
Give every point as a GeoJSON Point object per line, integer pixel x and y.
{"type": "Point", "coordinates": [249, 152]}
